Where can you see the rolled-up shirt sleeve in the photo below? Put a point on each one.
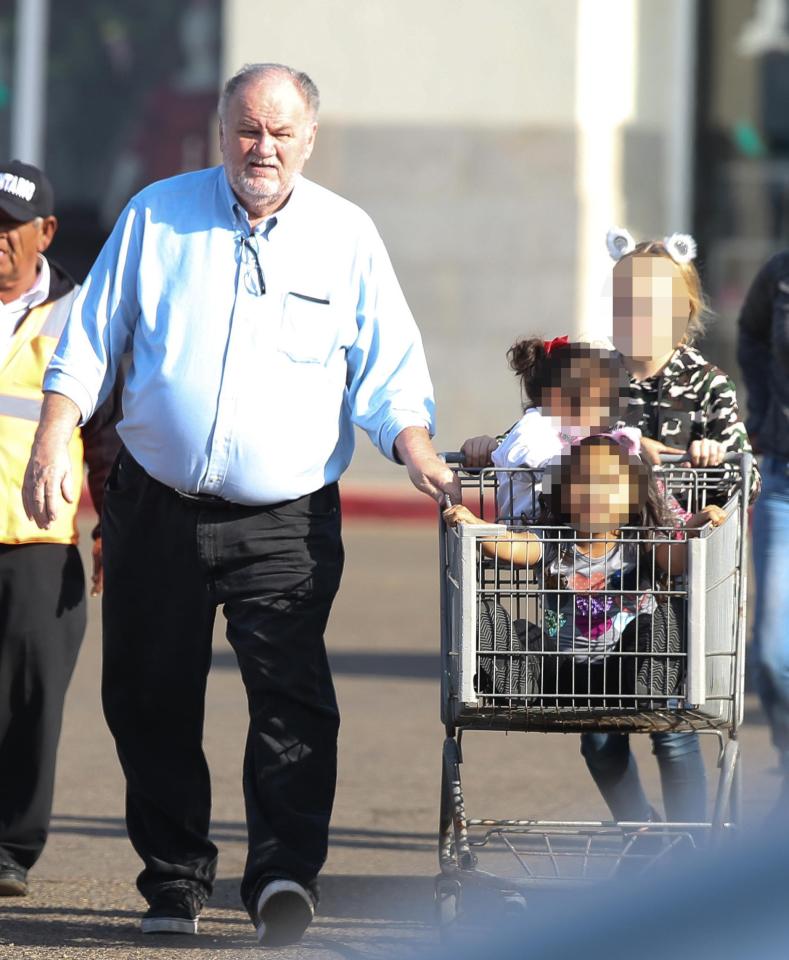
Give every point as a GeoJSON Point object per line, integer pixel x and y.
{"type": "Point", "coordinates": [101, 324]}
{"type": "Point", "coordinates": [389, 386]}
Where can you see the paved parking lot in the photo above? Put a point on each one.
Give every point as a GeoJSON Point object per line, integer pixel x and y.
{"type": "Point", "coordinates": [377, 886]}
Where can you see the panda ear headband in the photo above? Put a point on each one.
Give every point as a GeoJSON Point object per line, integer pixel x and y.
{"type": "Point", "coordinates": [681, 247]}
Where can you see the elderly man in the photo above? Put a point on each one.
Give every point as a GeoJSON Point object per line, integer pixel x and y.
{"type": "Point", "coordinates": [42, 585]}
{"type": "Point", "coordinates": [264, 321]}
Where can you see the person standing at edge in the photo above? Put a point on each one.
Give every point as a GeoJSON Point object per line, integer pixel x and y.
{"type": "Point", "coordinates": [42, 584]}
{"type": "Point", "coordinates": [264, 320]}
{"type": "Point", "coordinates": [763, 353]}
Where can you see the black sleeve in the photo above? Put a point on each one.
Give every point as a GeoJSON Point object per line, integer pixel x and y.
{"type": "Point", "coordinates": [102, 443]}
{"type": "Point", "coordinates": [753, 339]}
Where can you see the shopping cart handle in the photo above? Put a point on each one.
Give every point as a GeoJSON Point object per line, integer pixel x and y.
{"type": "Point", "coordinates": [683, 458]}
{"type": "Point", "coordinates": [456, 458]}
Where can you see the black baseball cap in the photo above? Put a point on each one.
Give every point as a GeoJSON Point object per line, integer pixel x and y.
{"type": "Point", "coordinates": [25, 191]}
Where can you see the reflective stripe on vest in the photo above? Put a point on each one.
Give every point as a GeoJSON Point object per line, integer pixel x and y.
{"type": "Point", "coordinates": [56, 319]}
{"type": "Point", "coordinates": [21, 400]}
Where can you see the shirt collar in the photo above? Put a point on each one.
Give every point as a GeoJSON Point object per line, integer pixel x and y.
{"type": "Point", "coordinates": [39, 292]}
{"type": "Point", "coordinates": [240, 217]}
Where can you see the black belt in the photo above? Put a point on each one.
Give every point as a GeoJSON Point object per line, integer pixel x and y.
{"type": "Point", "coordinates": [207, 499]}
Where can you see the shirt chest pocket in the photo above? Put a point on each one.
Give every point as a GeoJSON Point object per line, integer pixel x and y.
{"type": "Point", "coordinates": [309, 332]}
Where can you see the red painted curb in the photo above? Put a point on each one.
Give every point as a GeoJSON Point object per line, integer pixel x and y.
{"type": "Point", "coordinates": [383, 505]}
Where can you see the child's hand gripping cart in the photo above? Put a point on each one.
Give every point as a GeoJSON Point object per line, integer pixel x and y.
{"type": "Point", "coordinates": [504, 666]}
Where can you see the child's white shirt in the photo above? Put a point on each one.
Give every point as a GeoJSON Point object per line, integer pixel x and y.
{"type": "Point", "coordinates": [532, 442]}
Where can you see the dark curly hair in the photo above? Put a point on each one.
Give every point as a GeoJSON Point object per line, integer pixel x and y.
{"type": "Point", "coordinates": [571, 367]}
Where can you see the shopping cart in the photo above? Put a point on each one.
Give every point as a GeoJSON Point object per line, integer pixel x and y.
{"type": "Point", "coordinates": [501, 670]}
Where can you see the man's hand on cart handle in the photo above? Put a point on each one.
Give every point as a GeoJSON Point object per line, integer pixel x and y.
{"type": "Point", "coordinates": [428, 472]}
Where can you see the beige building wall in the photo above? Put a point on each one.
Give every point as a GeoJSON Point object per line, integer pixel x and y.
{"type": "Point", "coordinates": [492, 144]}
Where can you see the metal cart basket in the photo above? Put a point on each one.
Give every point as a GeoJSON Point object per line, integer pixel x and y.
{"type": "Point", "coordinates": [678, 666]}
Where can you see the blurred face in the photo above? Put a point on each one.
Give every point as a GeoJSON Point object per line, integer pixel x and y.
{"type": "Point", "coordinates": [583, 398]}
{"type": "Point", "coordinates": [20, 245]}
{"type": "Point", "coordinates": [651, 307]}
{"type": "Point", "coordinates": [602, 490]}
{"type": "Point", "coordinates": [266, 136]}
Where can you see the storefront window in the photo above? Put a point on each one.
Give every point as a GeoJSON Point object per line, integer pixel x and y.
{"type": "Point", "coordinates": [742, 187]}
{"type": "Point", "coordinates": [6, 69]}
{"type": "Point", "coordinates": [131, 96]}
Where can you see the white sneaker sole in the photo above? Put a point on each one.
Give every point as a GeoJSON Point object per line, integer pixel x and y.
{"type": "Point", "coordinates": [284, 911]}
{"type": "Point", "coordinates": [168, 925]}
{"type": "Point", "coordinates": [12, 887]}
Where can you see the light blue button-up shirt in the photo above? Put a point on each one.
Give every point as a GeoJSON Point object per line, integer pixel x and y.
{"type": "Point", "coordinates": [253, 352]}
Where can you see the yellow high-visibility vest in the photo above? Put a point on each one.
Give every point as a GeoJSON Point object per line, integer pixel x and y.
{"type": "Point", "coordinates": [21, 397]}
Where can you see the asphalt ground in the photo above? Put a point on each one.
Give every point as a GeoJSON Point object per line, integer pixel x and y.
{"type": "Point", "coordinates": [378, 882]}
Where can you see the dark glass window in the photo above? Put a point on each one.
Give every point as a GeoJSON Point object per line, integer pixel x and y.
{"type": "Point", "coordinates": [7, 8]}
{"type": "Point", "coordinates": [131, 98]}
{"type": "Point", "coordinates": [742, 181]}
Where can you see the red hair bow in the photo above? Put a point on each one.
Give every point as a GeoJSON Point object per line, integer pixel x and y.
{"type": "Point", "coordinates": [554, 344]}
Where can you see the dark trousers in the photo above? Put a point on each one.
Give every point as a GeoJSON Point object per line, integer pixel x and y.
{"type": "Point", "coordinates": [42, 621]}
{"type": "Point", "coordinates": [168, 563]}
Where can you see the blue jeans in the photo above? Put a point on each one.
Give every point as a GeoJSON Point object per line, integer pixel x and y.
{"type": "Point", "coordinates": [614, 769]}
{"type": "Point", "coordinates": [770, 637]}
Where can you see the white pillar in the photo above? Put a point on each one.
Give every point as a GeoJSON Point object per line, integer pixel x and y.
{"type": "Point", "coordinates": [28, 110]}
{"type": "Point", "coordinates": [605, 52]}
{"type": "Point", "coordinates": [681, 121]}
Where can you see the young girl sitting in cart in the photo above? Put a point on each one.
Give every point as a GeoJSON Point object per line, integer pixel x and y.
{"type": "Point", "coordinates": [608, 522]}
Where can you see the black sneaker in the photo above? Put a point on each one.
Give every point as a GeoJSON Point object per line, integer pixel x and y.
{"type": "Point", "coordinates": [13, 880]}
{"type": "Point", "coordinates": [173, 910]}
{"type": "Point", "coordinates": [284, 911]}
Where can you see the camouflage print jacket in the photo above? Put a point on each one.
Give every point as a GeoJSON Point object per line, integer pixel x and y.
{"type": "Point", "coordinates": [690, 399]}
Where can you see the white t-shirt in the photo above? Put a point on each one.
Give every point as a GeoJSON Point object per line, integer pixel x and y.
{"type": "Point", "coordinates": [532, 442]}
{"type": "Point", "coordinates": [11, 313]}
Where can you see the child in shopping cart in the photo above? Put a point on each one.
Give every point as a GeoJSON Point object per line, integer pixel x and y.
{"type": "Point", "coordinates": [611, 523]}
{"type": "Point", "coordinates": [572, 390]}
{"type": "Point", "coordinates": [596, 489]}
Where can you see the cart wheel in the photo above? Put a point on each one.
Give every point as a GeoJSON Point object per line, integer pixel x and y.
{"type": "Point", "coordinates": [447, 904]}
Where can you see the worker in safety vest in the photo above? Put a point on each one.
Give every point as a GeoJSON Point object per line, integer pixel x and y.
{"type": "Point", "coordinates": [42, 584]}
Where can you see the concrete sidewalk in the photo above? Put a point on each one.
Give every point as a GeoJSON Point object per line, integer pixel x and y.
{"type": "Point", "coordinates": [377, 886]}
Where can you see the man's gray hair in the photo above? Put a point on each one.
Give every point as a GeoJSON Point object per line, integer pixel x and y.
{"type": "Point", "coordinates": [253, 71]}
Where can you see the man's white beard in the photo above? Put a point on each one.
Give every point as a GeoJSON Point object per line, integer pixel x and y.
{"type": "Point", "coordinates": [256, 188]}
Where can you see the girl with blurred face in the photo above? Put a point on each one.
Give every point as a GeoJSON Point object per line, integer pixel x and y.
{"type": "Point", "coordinates": [678, 400]}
